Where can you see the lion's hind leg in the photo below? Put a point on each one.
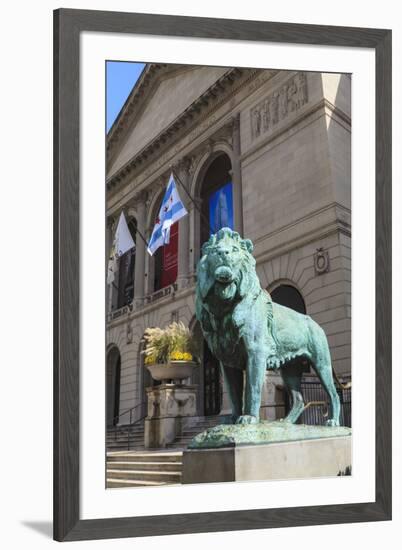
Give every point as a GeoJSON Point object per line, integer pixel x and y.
{"type": "Point", "coordinates": [321, 362]}
{"type": "Point", "coordinates": [292, 375]}
{"type": "Point", "coordinates": [324, 372]}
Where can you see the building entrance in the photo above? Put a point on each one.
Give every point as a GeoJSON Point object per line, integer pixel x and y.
{"type": "Point", "coordinates": [212, 383]}
{"type": "Point", "coordinates": [113, 368]}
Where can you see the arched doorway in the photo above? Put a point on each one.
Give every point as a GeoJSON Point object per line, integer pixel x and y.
{"type": "Point", "coordinates": [208, 378]}
{"type": "Point", "coordinates": [216, 197]}
{"type": "Point", "coordinates": [289, 296]}
{"type": "Point", "coordinates": [113, 370]}
{"type": "Point", "coordinates": [212, 383]}
{"type": "Point", "coordinates": [216, 193]}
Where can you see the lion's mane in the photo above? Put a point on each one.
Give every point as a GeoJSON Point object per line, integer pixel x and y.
{"type": "Point", "coordinates": [248, 284]}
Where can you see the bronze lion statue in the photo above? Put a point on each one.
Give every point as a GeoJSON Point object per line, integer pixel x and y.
{"type": "Point", "coordinates": [248, 332]}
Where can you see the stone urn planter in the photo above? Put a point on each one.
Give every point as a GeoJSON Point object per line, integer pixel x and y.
{"type": "Point", "coordinates": [174, 370]}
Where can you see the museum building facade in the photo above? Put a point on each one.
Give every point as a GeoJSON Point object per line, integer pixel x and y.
{"type": "Point", "coordinates": [265, 152]}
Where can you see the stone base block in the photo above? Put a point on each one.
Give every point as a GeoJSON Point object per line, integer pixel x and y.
{"type": "Point", "coordinates": [159, 432]}
{"type": "Point", "coordinates": [168, 406]}
{"type": "Point", "coordinates": [286, 460]}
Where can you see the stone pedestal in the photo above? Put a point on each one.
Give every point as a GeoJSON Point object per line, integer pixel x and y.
{"type": "Point", "coordinates": [168, 406]}
{"type": "Point", "coordinates": [304, 459]}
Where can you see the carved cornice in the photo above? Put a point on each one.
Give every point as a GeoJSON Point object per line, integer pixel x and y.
{"type": "Point", "coordinates": [194, 115]}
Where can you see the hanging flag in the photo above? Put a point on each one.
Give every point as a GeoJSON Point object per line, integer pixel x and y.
{"type": "Point", "coordinates": [171, 210]}
{"type": "Point", "coordinates": [123, 240]}
{"type": "Point", "coordinates": [122, 243]}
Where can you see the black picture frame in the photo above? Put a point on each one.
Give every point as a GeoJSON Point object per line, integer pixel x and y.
{"type": "Point", "coordinates": [68, 24]}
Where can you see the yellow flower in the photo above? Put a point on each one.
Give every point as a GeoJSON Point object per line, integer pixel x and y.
{"type": "Point", "coordinates": [150, 359]}
{"type": "Point", "coordinates": [180, 356]}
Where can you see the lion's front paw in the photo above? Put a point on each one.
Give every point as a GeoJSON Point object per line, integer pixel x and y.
{"type": "Point", "coordinates": [332, 422]}
{"type": "Point", "coordinates": [247, 419]}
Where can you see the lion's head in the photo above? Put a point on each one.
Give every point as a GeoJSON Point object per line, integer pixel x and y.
{"type": "Point", "coordinates": [226, 268]}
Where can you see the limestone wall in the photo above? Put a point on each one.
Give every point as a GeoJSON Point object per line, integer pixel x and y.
{"type": "Point", "coordinates": [294, 164]}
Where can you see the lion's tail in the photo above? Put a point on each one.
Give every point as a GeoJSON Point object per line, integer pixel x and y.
{"type": "Point", "coordinates": [339, 383]}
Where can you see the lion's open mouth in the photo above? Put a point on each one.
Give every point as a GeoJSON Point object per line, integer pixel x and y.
{"type": "Point", "coordinates": [225, 291]}
{"type": "Point", "coordinates": [224, 275]}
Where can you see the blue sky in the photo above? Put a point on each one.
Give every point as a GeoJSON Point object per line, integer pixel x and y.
{"type": "Point", "coordinates": [120, 79]}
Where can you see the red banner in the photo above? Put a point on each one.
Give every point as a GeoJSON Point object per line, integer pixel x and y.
{"type": "Point", "coordinates": [170, 257]}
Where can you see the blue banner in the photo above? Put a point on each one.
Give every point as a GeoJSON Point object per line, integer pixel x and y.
{"type": "Point", "coordinates": [221, 208]}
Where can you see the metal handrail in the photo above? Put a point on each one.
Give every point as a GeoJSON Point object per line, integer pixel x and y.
{"type": "Point", "coordinates": [117, 417]}
{"type": "Point", "coordinates": [128, 431]}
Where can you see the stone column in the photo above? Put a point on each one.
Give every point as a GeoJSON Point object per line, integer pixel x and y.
{"type": "Point", "coordinates": [111, 294]}
{"type": "Point", "coordinates": [195, 244]}
{"type": "Point", "coordinates": [149, 267]}
{"type": "Point", "coordinates": [139, 269]}
{"type": "Point", "coordinates": [184, 227]}
{"type": "Point", "coordinates": [236, 175]}
{"type": "Point", "coordinates": [108, 246]}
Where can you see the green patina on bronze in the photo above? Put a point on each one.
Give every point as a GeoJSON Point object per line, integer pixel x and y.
{"type": "Point", "coordinates": [248, 332]}
{"type": "Point", "coordinates": [263, 433]}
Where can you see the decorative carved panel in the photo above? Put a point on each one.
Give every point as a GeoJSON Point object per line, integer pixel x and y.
{"type": "Point", "coordinates": [321, 261]}
{"type": "Point", "coordinates": [279, 105]}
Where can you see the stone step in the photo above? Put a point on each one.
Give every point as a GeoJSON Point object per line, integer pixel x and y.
{"type": "Point", "coordinates": [151, 456]}
{"type": "Point", "coordinates": [122, 432]}
{"type": "Point", "coordinates": [113, 483]}
{"type": "Point", "coordinates": [125, 430]}
{"type": "Point", "coordinates": [124, 439]}
{"type": "Point", "coordinates": [132, 428]}
{"type": "Point", "coordinates": [149, 466]}
{"type": "Point", "coordinates": [120, 447]}
{"type": "Point", "coordinates": [134, 448]}
{"type": "Point", "coordinates": [124, 447]}
{"type": "Point", "coordinates": [136, 433]}
{"type": "Point", "coordinates": [145, 475]}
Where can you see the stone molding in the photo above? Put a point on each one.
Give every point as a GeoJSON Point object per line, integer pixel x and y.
{"type": "Point", "coordinates": [195, 119]}
{"type": "Point", "coordinates": [188, 164]}
{"type": "Point", "coordinates": [138, 97]}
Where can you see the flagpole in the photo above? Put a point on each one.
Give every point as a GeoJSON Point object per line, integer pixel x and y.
{"type": "Point", "coordinates": [142, 236]}
{"type": "Point", "coordinates": [192, 200]}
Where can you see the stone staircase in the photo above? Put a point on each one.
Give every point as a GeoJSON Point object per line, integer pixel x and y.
{"type": "Point", "coordinates": [202, 423]}
{"type": "Point", "coordinates": [143, 468]}
{"type": "Point", "coordinates": [139, 467]}
{"type": "Point", "coordinates": [124, 438]}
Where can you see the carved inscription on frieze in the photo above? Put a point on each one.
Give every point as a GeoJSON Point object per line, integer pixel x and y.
{"type": "Point", "coordinates": [279, 105]}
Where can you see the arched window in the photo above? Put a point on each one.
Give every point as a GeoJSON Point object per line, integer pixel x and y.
{"type": "Point", "coordinates": [289, 296]}
{"type": "Point", "coordinates": [216, 197]}
{"type": "Point", "coordinates": [113, 368]}
{"type": "Point", "coordinates": [126, 270]}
